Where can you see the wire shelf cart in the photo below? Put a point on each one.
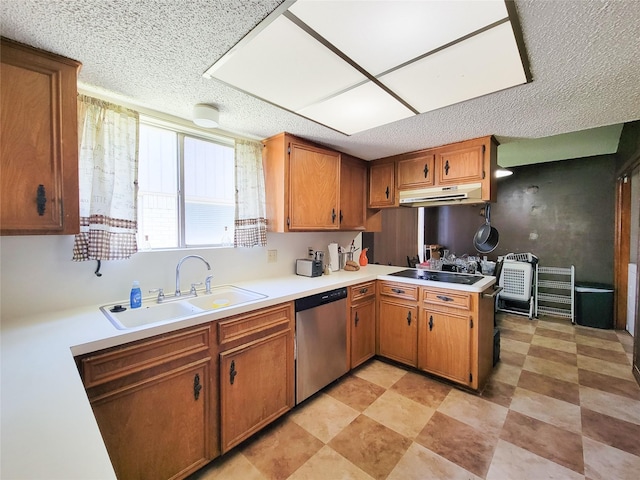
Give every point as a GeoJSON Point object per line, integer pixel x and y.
{"type": "Point", "coordinates": [555, 287]}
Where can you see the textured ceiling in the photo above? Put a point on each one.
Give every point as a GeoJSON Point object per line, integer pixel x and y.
{"type": "Point", "coordinates": [584, 58]}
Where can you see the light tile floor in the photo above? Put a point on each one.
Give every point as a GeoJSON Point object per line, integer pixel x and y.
{"type": "Point", "coordinates": [561, 404]}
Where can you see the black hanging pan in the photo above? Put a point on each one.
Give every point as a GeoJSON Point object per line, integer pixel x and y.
{"type": "Point", "coordinates": [486, 238]}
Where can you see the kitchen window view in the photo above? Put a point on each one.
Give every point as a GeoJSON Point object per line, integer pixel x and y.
{"type": "Point", "coordinates": [185, 190]}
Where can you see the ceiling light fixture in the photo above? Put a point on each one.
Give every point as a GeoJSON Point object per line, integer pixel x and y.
{"type": "Point", "coordinates": [503, 172]}
{"type": "Point", "coordinates": [206, 116]}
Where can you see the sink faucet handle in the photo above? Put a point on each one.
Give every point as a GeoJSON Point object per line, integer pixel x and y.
{"type": "Point", "coordinates": [207, 284]}
{"type": "Point", "coordinates": [193, 288]}
{"type": "Point", "coordinates": [160, 293]}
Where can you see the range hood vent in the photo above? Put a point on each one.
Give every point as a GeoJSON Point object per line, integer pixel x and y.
{"type": "Point", "coordinates": [439, 196]}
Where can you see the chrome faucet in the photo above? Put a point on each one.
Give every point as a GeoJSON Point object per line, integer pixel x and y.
{"type": "Point", "coordinates": [178, 270]}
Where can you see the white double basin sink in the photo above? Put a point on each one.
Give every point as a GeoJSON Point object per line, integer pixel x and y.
{"type": "Point", "coordinates": [151, 312]}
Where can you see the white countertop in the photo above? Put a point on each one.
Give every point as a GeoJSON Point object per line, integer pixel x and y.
{"type": "Point", "coordinates": [48, 430]}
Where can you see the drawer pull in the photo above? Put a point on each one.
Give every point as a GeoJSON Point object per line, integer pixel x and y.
{"type": "Point", "coordinates": [426, 170]}
{"type": "Point", "coordinates": [409, 318]}
{"type": "Point", "coordinates": [232, 372]}
{"type": "Point", "coordinates": [364, 290]}
{"type": "Point", "coordinates": [397, 290]}
{"type": "Point", "coordinates": [196, 386]}
{"type": "Point", "coordinates": [444, 298]}
{"type": "Point", "coordinates": [430, 322]}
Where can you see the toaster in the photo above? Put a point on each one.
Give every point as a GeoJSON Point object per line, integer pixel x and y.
{"type": "Point", "coordinates": [308, 267]}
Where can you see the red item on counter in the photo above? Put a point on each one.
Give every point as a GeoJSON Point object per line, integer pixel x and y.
{"type": "Point", "coordinates": [364, 261]}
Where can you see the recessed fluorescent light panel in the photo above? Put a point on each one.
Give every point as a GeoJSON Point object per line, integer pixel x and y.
{"type": "Point", "coordinates": [356, 65]}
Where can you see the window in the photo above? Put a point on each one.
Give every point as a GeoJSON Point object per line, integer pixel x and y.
{"type": "Point", "coordinates": [186, 189]}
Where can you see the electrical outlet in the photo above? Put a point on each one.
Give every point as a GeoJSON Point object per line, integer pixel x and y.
{"type": "Point", "coordinates": [310, 252]}
{"type": "Point", "coordinates": [272, 256]}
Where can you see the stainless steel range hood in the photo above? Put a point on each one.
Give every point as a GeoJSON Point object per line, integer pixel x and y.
{"type": "Point", "coordinates": [439, 196]}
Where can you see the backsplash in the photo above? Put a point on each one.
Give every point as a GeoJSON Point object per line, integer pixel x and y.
{"type": "Point", "coordinates": [38, 274]}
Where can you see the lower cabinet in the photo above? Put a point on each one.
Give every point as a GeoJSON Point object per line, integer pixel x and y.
{"type": "Point", "coordinates": [362, 322]}
{"type": "Point", "coordinates": [256, 371]}
{"type": "Point", "coordinates": [444, 345]}
{"type": "Point", "coordinates": [155, 404]}
{"type": "Point", "coordinates": [397, 333]}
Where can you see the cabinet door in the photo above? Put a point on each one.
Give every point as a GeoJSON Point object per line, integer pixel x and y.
{"type": "Point", "coordinates": [353, 194]}
{"type": "Point", "coordinates": [382, 185]}
{"type": "Point", "coordinates": [445, 345]}
{"type": "Point", "coordinates": [314, 192]}
{"type": "Point", "coordinates": [158, 428]}
{"type": "Point", "coordinates": [465, 165]}
{"type": "Point", "coordinates": [256, 386]}
{"type": "Point", "coordinates": [398, 331]}
{"type": "Point", "coordinates": [416, 172]}
{"type": "Point", "coordinates": [363, 329]}
{"type": "Point", "coordinates": [39, 148]}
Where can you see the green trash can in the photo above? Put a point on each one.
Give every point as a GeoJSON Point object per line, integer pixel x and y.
{"type": "Point", "coordinates": [594, 305]}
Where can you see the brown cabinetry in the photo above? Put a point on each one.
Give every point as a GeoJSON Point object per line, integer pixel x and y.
{"type": "Point", "coordinates": [456, 335]}
{"type": "Point", "coordinates": [39, 148]}
{"type": "Point", "coordinates": [311, 188]}
{"type": "Point", "coordinates": [161, 388]}
{"type": "Point", "coordinates": [416, 172]}
{"type": "Point", "coordinates": [382, 185]}
{"type": "Point", "coordinates": [256, 371]}
{"type": "Point", "coordinates": [362, 322]}
{"type": "Point", "coordinates": [460, 165]}
{"type": "Point", "coordinates": [469, 162]}
{"type": "Point", "coordinates": [397, 327]}
{"type": "Point", "coordinates": [353, 194]}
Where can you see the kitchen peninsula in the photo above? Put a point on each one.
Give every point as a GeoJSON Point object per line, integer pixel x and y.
{"type": "Point", "coordinates": [52, 426]}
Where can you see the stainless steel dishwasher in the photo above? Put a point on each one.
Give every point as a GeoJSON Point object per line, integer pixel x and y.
{"type": "Point", "coordinates": [321, 341]}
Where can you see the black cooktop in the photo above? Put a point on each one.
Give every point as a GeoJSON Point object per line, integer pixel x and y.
{"type": "Point", "coordinates": [438, 276]}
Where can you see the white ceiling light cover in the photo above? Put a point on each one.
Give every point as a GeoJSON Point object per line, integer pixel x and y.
{"type": "Point", "coordinates": [285, 66]}
{"type": "Point", "coordinates": [331, 60]}
{"type": "Point", "coordinates": [486, 63]}
{"type": "Point", "coordinates": [379, 35]}
{"type": "Point", "coordinates": [361, 108]}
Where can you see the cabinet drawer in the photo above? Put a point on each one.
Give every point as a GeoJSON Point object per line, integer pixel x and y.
{"type": "Point", "coordinates": [446, 298]}
{"type": "Point", "coordinates": [247, 327]}
{"type": "Point", "coordinates": [115, 363]}
{"type": "Point", "coordinates": [363, 290]}
{"type": "Point", "coordinates": [399, 290]}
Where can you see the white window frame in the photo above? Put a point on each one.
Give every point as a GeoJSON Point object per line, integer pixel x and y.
{"type": "Point", "coordinates": [182, 131]}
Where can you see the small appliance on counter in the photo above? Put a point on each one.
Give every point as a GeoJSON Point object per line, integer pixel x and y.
{"type": "Point", "coordinates": [308, 267]}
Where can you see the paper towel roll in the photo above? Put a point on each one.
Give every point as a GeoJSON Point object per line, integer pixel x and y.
{"type": "Point", "coordinates": [334, 261]}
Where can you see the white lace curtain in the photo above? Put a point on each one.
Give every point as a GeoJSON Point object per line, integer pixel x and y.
{"type": "Point", "coordinates": [251, 218]}
{"type": "Point", "coordinates": [108, 172]}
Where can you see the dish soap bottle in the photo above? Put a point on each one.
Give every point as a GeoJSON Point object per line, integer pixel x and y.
{"type": "Point", "coordinates": [135, 299]}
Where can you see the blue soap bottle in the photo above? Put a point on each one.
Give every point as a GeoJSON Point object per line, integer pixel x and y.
{"type": "Point", "coordinates": [135, 300]}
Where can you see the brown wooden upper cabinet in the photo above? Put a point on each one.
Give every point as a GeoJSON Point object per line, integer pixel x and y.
{"type": "Point", "coordinates": [39, 148]}
{"type": "Point", "coordinates": [312, 188]}
{"type": "Point", "coordinates": [382, 185]}
{"type": "Point", "coordinates": [416, 172]}
{"type": "Point", "coordinates": [471, 161]}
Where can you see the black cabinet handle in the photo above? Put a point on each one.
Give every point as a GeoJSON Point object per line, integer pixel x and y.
{"type": "Point", "coordinates": [430, 322]}
{"type": "Point", "coordinates": [357, 319]}
{"type": "Point", "coordinates": [426, 170]}
{"type": "Point", "coordinates": [232, 372]}
{"type": "Point", "coordinates": [364, 290]}
{"type": "Point", "coordinates": [41, 199]}
{"type": "Point", "coordinates": [386, 192]}
{"type": "Point", "coordinates": [409, 318]}
{"type": "Point", "coordinates": [444, 299]}
{"type": "Point", "coordinates": [333, 215]}
{"type": "Point", "coordinates": [196, 386]}
{"type": "Point", "coordinates": [446, 167]}
{"type": "Point", "coordinates": [397, 290]}
{"type": "Point", "coordinates": [341, 217]}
